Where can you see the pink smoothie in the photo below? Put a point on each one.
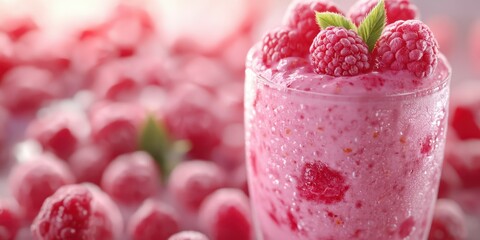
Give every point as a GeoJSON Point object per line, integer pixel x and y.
{"type": "Point", "coordinates": [343, 158]}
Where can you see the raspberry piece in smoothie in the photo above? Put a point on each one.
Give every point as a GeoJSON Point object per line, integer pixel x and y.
{"type": "Point", "coordinates": [153, 221]}
{"type": "Point", "coordinates": [338, 52]}
{"type": "Point", "coordinates": [131, 178]}
{"type": "Point", "coordinates": [320, 183]}
{"type": "Point", "coordinates": [407, 45]}
{"type": "Point", "coordinates": [396, 10]}
{"type": "Point", "coordinates": [191, 181]}
{"type": "Point", "coordinates": [225, 215]}
{"type": "Point", "coordinates": [449, 221]}
{"type": "Point", "coordinates": [188, 235]}
{"type": "Point", "coordinates": [32, 182]}
{"type": "Point", "coordinates": [301, 16]}
{"type": "Point", "coordinates": [10, 220]}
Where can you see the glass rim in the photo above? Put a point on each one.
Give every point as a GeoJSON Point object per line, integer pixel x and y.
{"type": "Point", "coordinates": [362, 97]}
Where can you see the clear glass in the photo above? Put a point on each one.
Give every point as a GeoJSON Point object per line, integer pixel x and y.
{"type": "Point", "coordinates": [343, 167]}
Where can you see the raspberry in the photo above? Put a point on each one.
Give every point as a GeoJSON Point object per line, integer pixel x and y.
{"type": "Point", "coordinates": [188, 235]}
{"type": "Point", "coordinates": [131, 178]}
{"type": "Point", "coordinates": [10, 220]}
{"type": "Point", "coordinates": [32, 182]}
{"type": "Point", "coordinates": [78, 212]}
{"type": "Point", "coordinates": [57, 132]}
{"type": "Point", "coordinates": [301, 17]}
{"type": "Point", "coordinates": [115, 126]}
{"type": "Point", "coordinates": [465, 124]}
{"type": "Point", "coordinates": [464, 157]}
{"type": "Point", "coordinates": [322, 184]}
{"type": "Point", "coordinates": [449, 221]}
{"type": "Point", "coordinates": [190, 182]}
{"type": "Point", "coordinates": [396, 10]}
{"type": "Point", "coordinates": [24, 88]}
{"type": "Point", "coordinates": [339, 52]}
{"type": "Point", "coordinates": [225, 215]}
{"type": "Point", "coordinates": [64, 215]}
{"type": "Point", "coordinates": [281, 43]}
{"type": "Point", "coordinates": [88, 163]}
{"type": "Point", "coordinates": [407, 45]}
{"type": "Point", "coordinates": [153, 221]}
{"type": "Point", "coordinates": [192, 114]}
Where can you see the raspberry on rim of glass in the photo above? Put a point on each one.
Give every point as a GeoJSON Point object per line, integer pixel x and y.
{"type": "Point", "coordinates": [349, 47]}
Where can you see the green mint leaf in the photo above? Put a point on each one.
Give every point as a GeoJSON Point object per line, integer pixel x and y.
{"type": "Point", "coordinates": [372, 26]}
{"type": "Point", "coordinates": [327, 19]}
{"type": "Point", "coordinates": [155, 140]}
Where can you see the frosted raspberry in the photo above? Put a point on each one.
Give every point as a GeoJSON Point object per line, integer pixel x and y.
{"type": "Point", "coordinates": [65, 215]}
{"type": "Point", "coordinates": [88, 163]}
{"type": "Point", "coordinates": [301, 17]}
{"type": "Point", "coordinates": [338, 52]}
{"type": "Point", "coordinates": [153, 221]}
{"type": "Point", "coordinates": [32, 182]}
{"type": "Point", "coordinates": [78, 212]}
{"type": "Point", "coordinates": [396, 10]}
{"type": "Point", "coordinates": [449, 221]}
{"type": "Point", "coordinates": [192, 114]}
{"type": "Point", "coordinates": [10, 220]}
{"type": "Point", "coordinates": [115, 126]}
{"type": "Point", "coordinates": [225, 215]}
{"type": "Point", "coordinates": [188, 235]}
{"type": "Point", "coordinates": [281, 43]}
{"type": "Point", "coordinates": [191, 181]}
{"type": "Point", "coordinates": [131, 178]}
{"type": "Point", "coordinates": [57, 132]}
{"type": "Point", "coordinates": [407, 45]}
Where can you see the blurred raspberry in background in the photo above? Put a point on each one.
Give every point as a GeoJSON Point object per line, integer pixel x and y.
{"type": "Point", "coordinates": [89, 82]}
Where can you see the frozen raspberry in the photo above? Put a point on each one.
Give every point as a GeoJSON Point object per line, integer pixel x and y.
{"type": "Point", "coordinates": [193, 114]}
{"type": "Point", "coordinates": [407, 45]}
{"type": "Point", "coordinates": [301, 17]}
{"type": "Point", "coordinates": [465, 123]}
{"type": "Point", "coordinates": [114, 82]}
{"type": "Point", "coordinates": [32, 182]}
{"type": "Point", "coordinates": [10, 220]}
{"type": "Point", "coordinates": [464, 157]}
{"type": "Point", "coordinates": [57, 132]}
{"type": "Point", "coordinates": [25, 90]}
{"type": "Point", "coordinates": [78, 212]}
{"type": "Point", "coordinates": [115, 126]}
{"type": "Point", "coordinates": [88, 163]}
{"type": "Point", "coordinates": [225, 215]}
{"type": "Point", "coordinates": [191, 181]}
{"type": "Point", "coordinates": [449, 180]}
{"type": "Point", "coordinates": [153, 221]}
{"type": "Point", "coordinates": [131, 178]}
{"type": "Point", "coordinates": [339, 52]}
{"type": "Point", "coordinates": [281, 43]}
{"type": "Point", "coordinates": [396, 10]}
{"type": "Point", "coordinates": [449, 222]}
{"type": "Point", "coordinates": [188, 235]}
{"type": "Point", "coordinates": [18, 27]}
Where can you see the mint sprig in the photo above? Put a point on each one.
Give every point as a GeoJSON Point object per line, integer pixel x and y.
{"type": "Point", "coordinates": [327, 19]}
{"type": "Point", "coordinates": [372, 26]}
{"type": "Point", "coordinates": [155, 140]}
{"type": "Point", "coordinates": [369, 30]}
